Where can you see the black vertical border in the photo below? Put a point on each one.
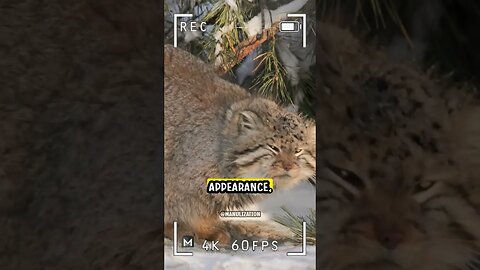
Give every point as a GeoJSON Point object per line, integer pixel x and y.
{"type": "Point", "coordinates": [316, 105]}
{"type": "Point", "coordinates": [161, 151]}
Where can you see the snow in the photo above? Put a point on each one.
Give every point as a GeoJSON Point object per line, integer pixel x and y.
{"type": "Point", "coordinates": [192, 35]}
{"type": "Point", "coordinates": [246, 68]}
{"type": "Point", "coordinates": [252, 260]}
{"type": "Point", "coordinates": [299, 200]}
{"type": "Point", "coordinates": [254, 26]}
{"type": "Point", "coordinates": [232, 4]}
{"type": "Point", "coordinates": [292, 63]}
{"type": "Point", "coordinates": [289, 60]}
{"type": "Point", "coordinates": [218, 38]}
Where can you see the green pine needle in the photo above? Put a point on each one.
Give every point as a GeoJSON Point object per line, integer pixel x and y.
{"type": "Point", "coordinates": [272, 77]}
{"type": "Point", "coordinates": [225, 16]}
{"type": "Point", "coordinates": [294, 223]}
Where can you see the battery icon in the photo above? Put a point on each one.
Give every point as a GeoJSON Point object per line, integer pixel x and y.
{"type": "Point", "coordinates": [289, 26]}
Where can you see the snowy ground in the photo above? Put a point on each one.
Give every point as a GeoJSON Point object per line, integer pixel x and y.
{"type": "Point", "coordinates": [241, 260]}
{"type": "Point", "coordinates": [298, 201]}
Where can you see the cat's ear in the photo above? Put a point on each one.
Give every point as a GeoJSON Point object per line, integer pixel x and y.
{"type": "Point", "coordinates": [248, 121]}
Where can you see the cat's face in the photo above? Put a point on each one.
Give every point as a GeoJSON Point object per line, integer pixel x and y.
{"type": "Point", "coordinates": [394, 208]}
{"type": "Point", "coordinates": [264, 140]}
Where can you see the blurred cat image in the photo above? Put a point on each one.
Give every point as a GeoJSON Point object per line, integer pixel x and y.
{"type": "Point", "coordinates": [398, 182]}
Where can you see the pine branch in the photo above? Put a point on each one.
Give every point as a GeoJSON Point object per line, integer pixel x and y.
{"type": "Point", "coordinates": [272, 77]}
{"type": "Point", "coordinates": [248, 46]}
{"type": "Point", "coordinates": [294, 223]}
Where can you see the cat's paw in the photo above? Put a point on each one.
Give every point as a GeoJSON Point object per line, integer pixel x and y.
{"type": "Point", "coordinates": [213, 231]}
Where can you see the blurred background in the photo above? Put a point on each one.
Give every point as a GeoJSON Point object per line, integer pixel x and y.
{"type": "Point", "coordinates": [440, 33]}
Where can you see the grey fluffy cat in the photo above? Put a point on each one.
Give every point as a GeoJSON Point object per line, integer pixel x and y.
{"type": "Point", "coordinates": [216, 129]}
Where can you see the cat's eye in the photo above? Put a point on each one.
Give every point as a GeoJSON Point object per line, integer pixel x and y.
{"type": "Point", "coordinates": [424, 190]}
{"type": "Point", "coordinates": [298, 152]}
{"type": "Point", "coordinates": [347, 176]}
{"type": "Point", "coordinates": [423, 186]}
{"type": "Point", "coordinates": [273, 148]}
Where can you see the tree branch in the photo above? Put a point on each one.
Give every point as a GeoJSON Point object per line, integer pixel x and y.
{"type": "Point", "coordinates": [247, 46]}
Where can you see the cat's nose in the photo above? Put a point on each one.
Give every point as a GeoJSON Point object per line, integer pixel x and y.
{"type": "Point", "coordinates": [390, 239]}
{"type": "Point", "coordinates": [287, 166]}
